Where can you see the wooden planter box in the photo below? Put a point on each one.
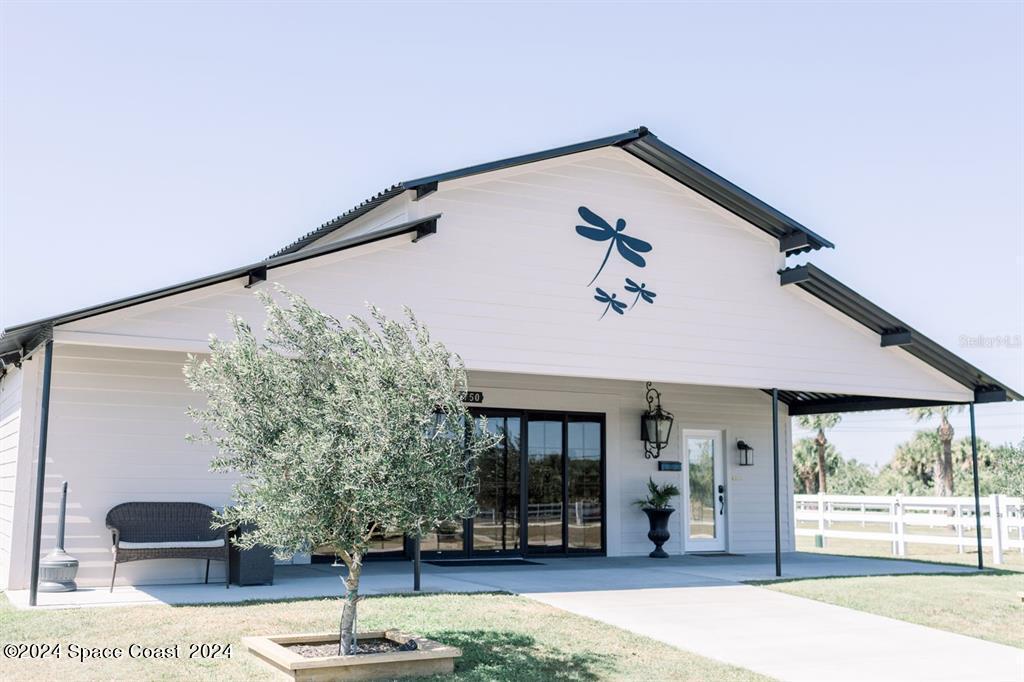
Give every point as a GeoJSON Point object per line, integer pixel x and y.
{"type": "Point", "coordinates": [430, 658]}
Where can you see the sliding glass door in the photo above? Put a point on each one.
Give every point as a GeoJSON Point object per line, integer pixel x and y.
{"type": "Point", "coordinates": [540, 489]}
{"type": "Point", "coordinates": [545, 501]}
{"type": "Point", "coordinates": [495, 527]}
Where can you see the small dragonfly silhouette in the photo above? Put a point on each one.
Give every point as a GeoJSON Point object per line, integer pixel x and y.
{"type": "Point", "coordinates": [612, 301]}
{"type": "Point", "coordinates": [640, 290]}
{"type": "Point", "coordinates": [599, 230]}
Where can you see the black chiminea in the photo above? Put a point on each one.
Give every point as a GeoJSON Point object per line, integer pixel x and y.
{"type": "Point", "coordinates": [57, 570]}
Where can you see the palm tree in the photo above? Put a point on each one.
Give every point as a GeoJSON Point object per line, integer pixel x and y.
{"type": "Point", "coordinates": [820, 422]}
{"type": "Point", "coordinates": [943, 458]}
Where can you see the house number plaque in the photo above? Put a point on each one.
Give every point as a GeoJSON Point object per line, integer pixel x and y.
{"type": "Point", "coordinates": [473, 397]}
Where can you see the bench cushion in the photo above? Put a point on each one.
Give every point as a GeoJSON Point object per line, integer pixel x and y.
{"type": "Point", "coordinates": [184, 544]}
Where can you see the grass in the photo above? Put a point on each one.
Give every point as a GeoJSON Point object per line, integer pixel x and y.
{"type": "Point", "coordinates": [983, 605]}
{"type": "Point", "coordinates": [502, 637]}
{"type": "Point", "coordinates": [1013, 560]}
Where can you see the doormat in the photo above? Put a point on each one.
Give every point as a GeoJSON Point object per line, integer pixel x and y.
{"type": "Point", "coordinates": [712, 554]}
{"type": "Point", "coordinates": [484, 562]}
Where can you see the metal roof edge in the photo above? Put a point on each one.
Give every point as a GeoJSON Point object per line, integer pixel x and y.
{"type": "Point", "coordinates": [13, 338]}
{"type": "Point", "coordinates": [828, 289]}
{"type": "Point", "coordinates": [611, 140]}
{"type": "Point", "coordinates": [794, 238]}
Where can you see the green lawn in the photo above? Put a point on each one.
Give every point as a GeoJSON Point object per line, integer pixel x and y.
{"type": "Point", "coordinates": [1013, 559]}
{"type": "Point", "coordinates": [983, 605]}
{"type": "Point", "coordinates": [502, 637]}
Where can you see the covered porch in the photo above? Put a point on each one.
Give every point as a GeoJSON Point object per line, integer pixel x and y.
{"type": "Point", "coordinates": [545, 576]}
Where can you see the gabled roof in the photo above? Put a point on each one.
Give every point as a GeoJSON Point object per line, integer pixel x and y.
{"type": "Point", "coordinates": [644, 145]}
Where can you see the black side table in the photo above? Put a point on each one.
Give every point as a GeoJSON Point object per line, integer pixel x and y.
{"type": "Point", "coordinates": [251, 566]}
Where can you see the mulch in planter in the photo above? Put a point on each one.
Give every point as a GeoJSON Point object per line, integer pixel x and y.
{"type": "Point", "coordinates": [366, 646]}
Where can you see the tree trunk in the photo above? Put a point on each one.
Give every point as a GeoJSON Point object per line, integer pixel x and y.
{"type": "Point", "coordinates": [944, 465]}
{"type": "Point", "coordinates": [809, 484]}
{"type": "Point", "coordinates": [347, 636]}
{"type": "Point", "coordinates": [821, 441]}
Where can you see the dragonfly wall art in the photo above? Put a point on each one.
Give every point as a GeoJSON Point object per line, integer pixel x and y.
{"type": "Point", "coordinates": [640, 290]}
{"type": "Point", "coordinates": [611, 301]}
{"type": "Point", "coordinates": [599, 230]}
{"type": "Point", "coordinates": [629, 247]}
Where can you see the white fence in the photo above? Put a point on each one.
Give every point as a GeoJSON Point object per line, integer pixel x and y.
{"type": "Point", "coordinates": [902, 519]}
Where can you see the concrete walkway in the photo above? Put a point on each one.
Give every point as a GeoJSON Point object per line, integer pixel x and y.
{"type": "Point", "coordinates": [695, 603]}
{"type": "Point", "coordinates": [792, 638]}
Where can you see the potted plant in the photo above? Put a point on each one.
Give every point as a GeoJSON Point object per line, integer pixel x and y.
{"type": "Point", "coordinates": [339, 431]}
{"type": "Point", "coordinates": [656, 506]}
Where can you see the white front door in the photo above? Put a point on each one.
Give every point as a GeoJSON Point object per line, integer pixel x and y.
{"type": "Point", "coordinates": [704, 493]}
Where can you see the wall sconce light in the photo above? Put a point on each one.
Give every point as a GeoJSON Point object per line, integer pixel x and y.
{"type": "Point", "coordinates": [746, 454]}
{"type": "Point", "coordinates": [655, 425]}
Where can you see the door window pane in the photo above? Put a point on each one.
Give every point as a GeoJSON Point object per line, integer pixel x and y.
{"type": "Point", "coordinates": [496, 524]}
{"type": "Point", "coordinates": [584, 485]}
{"type": "Point", "coordinates": [544, 513]}
{"type": "Point", "coordinates": [700, 454]}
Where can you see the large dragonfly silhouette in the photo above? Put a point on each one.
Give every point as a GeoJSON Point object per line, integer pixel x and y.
{"type": "Point", "coordinates": [611, 300]}
{"type": "Point", "coordinates": [599, 230]}
{"type": "Point", "coordinates": [640, 290]}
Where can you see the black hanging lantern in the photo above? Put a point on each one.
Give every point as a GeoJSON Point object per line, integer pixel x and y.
{"type": "Point", "coordinates": [655, 424]}
{"type": "Point", "coordinates": [746, 454]}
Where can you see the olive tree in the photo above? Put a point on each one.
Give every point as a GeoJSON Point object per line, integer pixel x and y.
{"type": "Point", "coordinates": [339, 430]}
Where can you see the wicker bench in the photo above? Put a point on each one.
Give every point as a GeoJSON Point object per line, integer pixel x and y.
{"type": "Point", "coordinates": [167, 530]}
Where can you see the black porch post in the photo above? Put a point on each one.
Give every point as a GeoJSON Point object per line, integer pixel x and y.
{"type": "Point", "coordinates": [775, 469]}
{"type": "Point", "coordinates": [416, 564]}
{"type": "Point", "coordinates": [977, 494]}
{"type": "Point", "coordinates": [44, 419]}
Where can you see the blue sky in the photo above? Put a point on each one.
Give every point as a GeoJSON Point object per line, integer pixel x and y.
{"type": "Point", "coordinates": [149, 143]}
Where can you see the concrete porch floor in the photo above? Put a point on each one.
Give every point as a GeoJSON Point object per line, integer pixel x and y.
{"type": "Point", "coordinates": [549, 575]}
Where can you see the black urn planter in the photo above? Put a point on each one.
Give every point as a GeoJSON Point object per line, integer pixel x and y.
{"type": "Point", "coordinates": [658, 534]}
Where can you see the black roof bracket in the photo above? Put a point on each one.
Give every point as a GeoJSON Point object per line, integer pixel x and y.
{"type": "Point", "coordinates": [898, 337]}
{"type": "Point", "coordinates": [425, 228]}
{"type": "Point", "coordinates": [426, 189]}
{"type": "Point", "coordinates": [257, 275]}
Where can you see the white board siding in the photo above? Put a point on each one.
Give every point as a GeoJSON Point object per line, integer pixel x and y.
{"type": "Point", "coordinates": [503, 282]}
{"type": "Point", "coordinates": [10, 434]}
{"type": "Point", "coordinates": [117, 434]}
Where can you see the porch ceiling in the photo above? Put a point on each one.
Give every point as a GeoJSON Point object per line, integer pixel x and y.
{"type": "Point", "coordinates": [807, 402]}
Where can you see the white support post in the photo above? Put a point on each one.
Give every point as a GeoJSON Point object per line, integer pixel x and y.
{"type": "Point", "coordinates": [901, 544]}
{"type": "Point", "coordinates": [892, 527]}
{"type": "Point", "coordinates": [995, 514]}
{"type": "Point", "coordinates": [959, 528]}
{"type": "Point", "coordinates": [863, 511]}
{"type": "Point", "coordinates": [821, 517]}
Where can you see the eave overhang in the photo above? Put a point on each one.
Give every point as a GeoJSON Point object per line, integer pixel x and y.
{"type": "Point", "coordinates": [23, 338]}
{"type": "Point", "coordinates": [892, 332]}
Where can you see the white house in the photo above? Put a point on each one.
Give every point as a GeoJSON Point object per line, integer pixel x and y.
{"type": "Point", "coordinates": [566, 279]}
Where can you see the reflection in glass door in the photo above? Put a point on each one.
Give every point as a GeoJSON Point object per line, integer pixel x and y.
{"type": "Point", "coordinates": [584, 485]}
{"type": "Point", "coordinates": [704, 491]}
{"type": "Point", "coordinates": [545, 499]}
{"type": "Point", "coordinates": [496, 524]}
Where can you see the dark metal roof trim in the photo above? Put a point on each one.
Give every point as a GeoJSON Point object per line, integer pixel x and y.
{"type": "Point", "coordinates": [342, 220]}
{"type": "Point", "coordinates": [793, 237]}
{"type": "Point", "coordinates": [27, 336]}
{"type": "Point", "coordinates": [893, 331]}
{"type": "Point", "coordinates": [510, 162]}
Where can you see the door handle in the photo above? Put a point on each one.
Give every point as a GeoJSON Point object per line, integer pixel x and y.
{"type": "Point", "coordinates": [721, 500]}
